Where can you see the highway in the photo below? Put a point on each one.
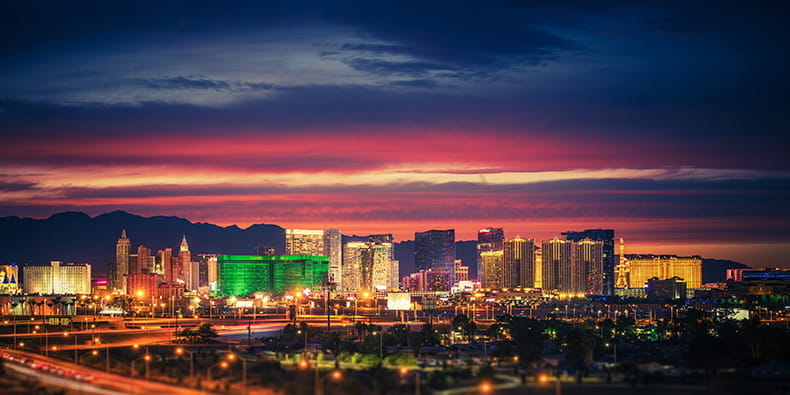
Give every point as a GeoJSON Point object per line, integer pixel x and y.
{"type": "Point", "coordinates": [94, 381]}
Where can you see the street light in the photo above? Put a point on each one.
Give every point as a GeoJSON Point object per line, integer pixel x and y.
{"type": "Point", "coordinates": [66, 334]}
{"type": "Point", "coordinates": [381, 343]}
{"type": "Point", "coordinates": [319, 380]}
{"type": "Point", "coordinates": [222, 364]}
{"type": "Point", "coordinates": [244, 371]}
{"type": "Point", "coordinates": [181, 350]}
{"type": "Point", "coordinates": [147, 359]}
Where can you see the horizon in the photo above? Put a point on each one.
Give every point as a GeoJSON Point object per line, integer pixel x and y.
{"type": "Point", "coordinates": [631, 247]}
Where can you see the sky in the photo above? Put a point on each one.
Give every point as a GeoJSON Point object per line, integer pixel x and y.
{"type": "Point", "coordinates": [666, 121]}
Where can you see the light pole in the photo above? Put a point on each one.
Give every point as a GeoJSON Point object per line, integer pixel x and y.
{"type": "Point", "coordinates": [66, 334]}
{"type": "Point", "coordinates": [381, 344]}
{"type": "Point", "coordinates": [320, 380]}
{"type": "Point", "coordinates": [147, 359]}
{"type": "Point", "coordinates": [244, 371]}
{"type": "Point", "coordinates": [222, 364]}
{"type": "Point", "coordinates": [181, 350]}
{"type": "Point", "coordinates": [92, 352]}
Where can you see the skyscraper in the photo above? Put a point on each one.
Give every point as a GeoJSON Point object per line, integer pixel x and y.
{"type": "Point", "coordinates": [333, 248]}
{"type": "Point", "coordinates": [304, 242]}
{"type": "Point", "coordinates": [434, 250]}
{"type": "Point", "coordinates": [588, 266]}
{"type": "Point", "coordinates": [141, 264]}
{"type": "Point", "coordinates": [164, 264]}
{"type": "Point", "coordinates": [606, 236]}
{"type": "Point", "coordinates": [368, 265]}
{"type": "Point", "coordinates": [122, 248]}
{"type": "Point", "coordinates": [488, 239]}
{"type": "Point", "coordinates": [519, 263]}
{"type": "Point", "coordinates": [557, 265]}
{"type": "Point", "coordinates": [184, 268]}
{"type": "Point", "coordinates": [493, 269]}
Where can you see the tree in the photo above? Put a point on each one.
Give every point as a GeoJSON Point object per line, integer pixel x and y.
{"type": "Point", "coordinates": [463, 324]}
{"type": "Point", "coordinates": [205, 332]}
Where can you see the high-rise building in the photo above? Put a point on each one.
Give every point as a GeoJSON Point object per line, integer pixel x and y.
{"type": "Point", "coordinates": [493, 269]}
{"type": "Point", "coordinates": [519, 263]}
{"type": "Point", "coordinates": [243, 275]}
{"type": "Point", "coordinates": [182, 271]}
{"type": "Point", "coordinates": [207, 269]}
{"type": "Point", "coordinates": [58, 279]}
{"type": "Point", "coordinates": [304, 242]}
{"type": "Point", "coordinates": [122, 250]}
{"type": "Point", "coordinates": [428, 281]}
{"type": "Point", "coordinates": [606, 236]}
{"type": "Point", "coordinates": [209, 265]}
{"type": "Point", "coordinates": [369, 265]}
{"type": "Point", "coordinates": [557, 265]}
{"type": "Point", "coordinates": [141, 264]}
{"type": "Point", "coordinates": [640, 268]}
{"type": "Point", "coordinates": [333, 248]}
{"type": "Point", "coordinates": [488, 239]}
{"type": "Point", "coordinates": [460, 272]}
{"type": "Point", "coordinates": [434, 250]}
{"type": "Point", "coordinates": [164, 264]}
{"type": "Point", "coordinates": [588, 265]}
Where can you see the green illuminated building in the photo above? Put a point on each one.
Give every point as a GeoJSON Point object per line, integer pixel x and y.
{"type": "Point", "coordinates": [242, 275]}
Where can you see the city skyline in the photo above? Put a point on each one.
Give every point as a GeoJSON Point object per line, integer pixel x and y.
{"type": "Point", "coordinates": [666, 123]}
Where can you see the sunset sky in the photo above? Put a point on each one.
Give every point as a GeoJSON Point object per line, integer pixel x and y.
{"type": "Point", "coordinates": [669, 124]}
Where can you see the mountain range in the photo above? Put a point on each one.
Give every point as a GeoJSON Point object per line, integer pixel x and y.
{"type": "Point", "coordinates": [78, 237]}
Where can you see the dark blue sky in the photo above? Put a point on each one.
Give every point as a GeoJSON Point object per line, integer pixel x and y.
{"type": "Point", "coordinates": [668, 122]}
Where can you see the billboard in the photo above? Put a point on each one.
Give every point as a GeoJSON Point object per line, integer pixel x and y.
{"type": "Point", "coordinates": [398, 301]}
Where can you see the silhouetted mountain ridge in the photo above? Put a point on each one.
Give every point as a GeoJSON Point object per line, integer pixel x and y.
{"type": "Point", "coordinates": [74, 236]}
{"type": "Point", "coordinates": [77, 237]}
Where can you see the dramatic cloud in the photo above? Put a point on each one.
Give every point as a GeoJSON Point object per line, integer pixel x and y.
{"type": "Point", "coordinates": [667, 122]}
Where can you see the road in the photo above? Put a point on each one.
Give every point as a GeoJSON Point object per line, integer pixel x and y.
{"type": "Point", "coordinates": [101, 383]}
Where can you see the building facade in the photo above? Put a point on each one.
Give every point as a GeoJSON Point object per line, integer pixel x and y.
{"type": "Point", "coordinates": [640, 268]}
{"type": "Point", "coordinates": [557, 256]}
{"type": "Point", "coordinates": [304, 242]}
{"type": "Point", "coordinates": [368, 265]}
{"type": "Point", "coordinates": [488, 239]}
{"type": "Point", "coordinates": [243, 275]}
{"type": "Point", "coordinates": [519, 263]}
{"type": "Point", "coordinates": [333, 248]}
{"type": "Point", "coordinates": [493, 269]}
{"type": "Point", "coordinates": [588, 267]}
{"type": "Point", "coordinates": [122, 251]}
{"type": "Point", "coordinates": [434, 250]}
{"type": "Point", "coordinates": [58, 279]}
{"type": "Point", "coordinates": [606, 237]}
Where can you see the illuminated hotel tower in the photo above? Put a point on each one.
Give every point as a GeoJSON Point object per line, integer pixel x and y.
{"type": "Point", "coordinates": [333, 248]}
{"type": "Point", "coordinates": [492, 265]}
{"type": "Point", "coordinates": [488, 240]}
{"type": "Point", "coordinates": [519, 263]}
{"type": "Point", "coordinates": [644, 267]}
{"type": "Point", "coordinates": [184, 269]}
{"type": "Point", "coordinates": [369, 265]}
{"type": "Point", "coordinates": [434, 250]}
{"type": "Point", "coordinates": [606, 236]}
{"type": "Point", "coordinates": [304, 242]}
{"type": "Point", "coordinates": [122, 248]}
{"type": "Point", "coordinates": [557, 265]}
{"type": "Point", "coordinates": [588, 267]}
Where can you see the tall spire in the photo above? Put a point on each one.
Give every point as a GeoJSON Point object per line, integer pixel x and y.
{"type": "Point", "coordinates": [184, 245]}
{"type": "Point", "coordinates": [123, 234]}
